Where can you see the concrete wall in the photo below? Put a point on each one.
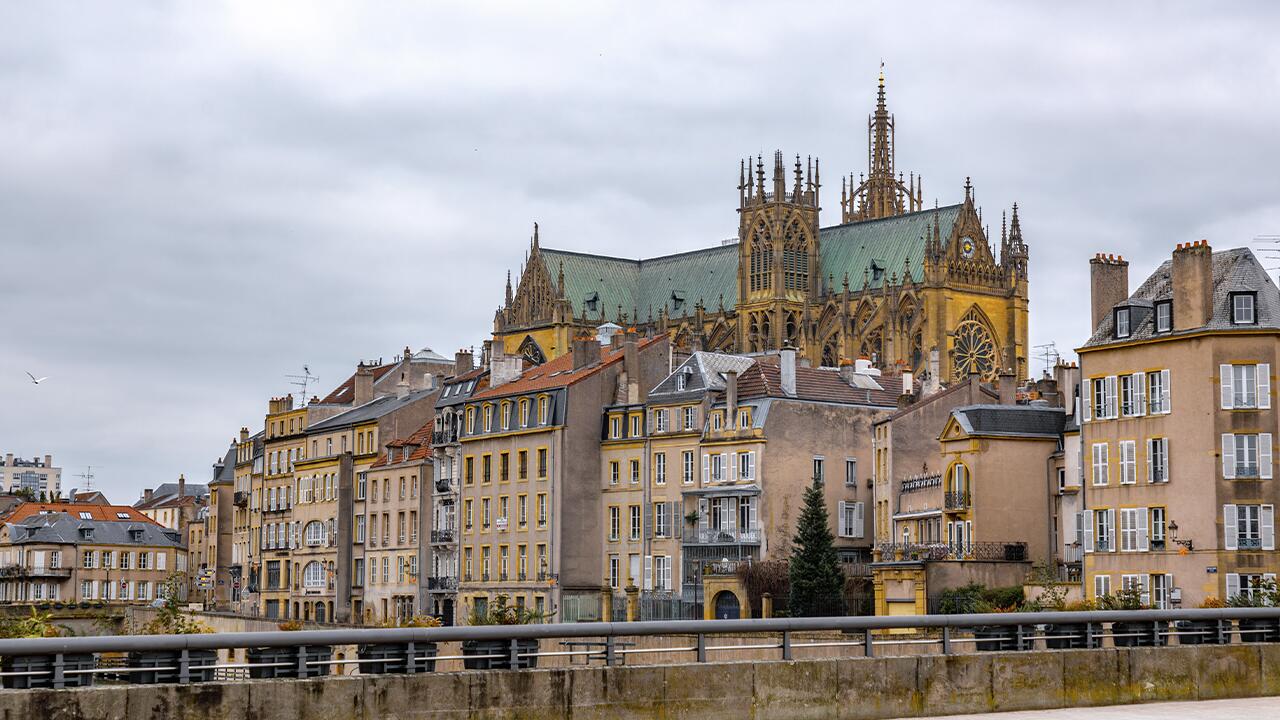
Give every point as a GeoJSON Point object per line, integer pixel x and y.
{"type": "Point", "coordinates": [855, 688]}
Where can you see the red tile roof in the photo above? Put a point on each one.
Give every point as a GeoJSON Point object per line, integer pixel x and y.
{"type": "Point", "coordinates": [558, 373]}
{"type": "Point", "coordinates": [421, 438]}
{"type": "Point", "coordinates": [345, 393]}
{"type": "Point", "coordinates": [98, 512]}
{"type": "Point", "coordinates": [764, 379]}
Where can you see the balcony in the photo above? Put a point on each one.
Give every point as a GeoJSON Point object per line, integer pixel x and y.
{"type": "Point", "coordinates": [984, 551]}
{"type": "Point", "coordinates": [712, 536]}
{"type": "Point", "coordinates": [33, 571]}
{"type": "Point", "coordinates": [1249, 543]}
{"type": "Point", "coordinates": [956, 500]}
{"type": "Point", "coordinates": [444, 486]}
{"type": "Point", "coordinates": [240, 498]}
{"type": "Point", "coordinates": [443, 437]}
{"type": "Point", "coordinates": [442, 582]}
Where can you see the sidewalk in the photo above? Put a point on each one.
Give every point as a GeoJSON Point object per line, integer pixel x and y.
{"type": "Point", "coordinates": [1251, 708]}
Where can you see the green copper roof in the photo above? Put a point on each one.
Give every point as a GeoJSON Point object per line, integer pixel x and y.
{"type": "Point", "coordinates": [678, 282]}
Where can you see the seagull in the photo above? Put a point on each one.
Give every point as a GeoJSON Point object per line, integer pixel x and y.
{"type": "Point", "coordinates": [35, 380]}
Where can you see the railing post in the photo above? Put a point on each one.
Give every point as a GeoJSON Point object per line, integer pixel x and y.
{"type": "Point", "coordinates": [302, 660]}
{"type": "Point", "coordinates": [515, 653]}
{"type": "Point", "coordinates": [946, 640]}
{"type": "Point", "coordinates": [184, 666]}
{"type": "Point", "coordinates": [59, 679]}
{"type": "Point", "coordinates": [610, 651]}
{"type": "Point", "coordinates": [868, 643]}
{"type": "Point", "coordinates": [786, 645]}
{"type": "Point", "coordinates": [702, 648]}
{"type": "Point", "coordinates": [410, 657]}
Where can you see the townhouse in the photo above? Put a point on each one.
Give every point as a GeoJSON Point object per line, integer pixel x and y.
{"type": "Point", "coordinates": [394, 488]}
{"type": "Point", "coordinates": [1179, 427]}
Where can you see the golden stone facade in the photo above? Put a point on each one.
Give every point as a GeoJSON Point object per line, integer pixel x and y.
{"type": "Point", "coordinates": [893, 282]}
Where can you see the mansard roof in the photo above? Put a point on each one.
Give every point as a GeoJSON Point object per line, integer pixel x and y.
{"type": "Point", "coordinates": [678, 282]}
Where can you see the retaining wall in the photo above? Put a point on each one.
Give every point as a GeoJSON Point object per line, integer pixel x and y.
{"type": "Point", "coordinates": [853, 688]}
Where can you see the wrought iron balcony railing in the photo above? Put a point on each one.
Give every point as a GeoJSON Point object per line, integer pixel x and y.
{"type": "Point", "coordinates": [713, 536]}
{"type": "Point", "coordinates": [956, 500]}
{"type": "Point", "coordinates": [442, 582]}
{"type": "Point", "coordinates": [439, 537]}
{"type": "Point", "coordinates": [988, 551]}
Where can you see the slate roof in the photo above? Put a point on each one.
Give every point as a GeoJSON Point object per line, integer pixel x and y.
{"type": "Point", "coordinates": [558, 373]}
{"type": "Point", "coordinates": [167, 495]}
{"type": "Point", "coordinates": [62, 528]}
{"type": "Point", "coordinates": [821, 384]}
{"type": "Point", "coordinates": [708, 274]}
{"type": "Point", "coordinates": [1011, 420]}
{"type": "Point", "coordinates": [453, 391]}
{"type": "Point", "coordinates": [371, 410]}
{"type": "Point", "coordinates": [1233, 270]}
{"type": "Point", "coordinates": [704, 370]}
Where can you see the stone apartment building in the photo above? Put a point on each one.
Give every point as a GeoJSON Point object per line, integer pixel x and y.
{"type": "Point", "coordinates": [245, 571]}
{"type": "Point", "coordinates": [35, 475]}
{"type": "Point", "coordinates": [73, 552]}
{"type": "Point", "coordinates": [210, 540]}
{"type": "Point", "coordinates": [394, 488]}
{"type": "Point", "coordinates": [530, 452]}
{"type": "Point", "coordinates": [1179, 428]}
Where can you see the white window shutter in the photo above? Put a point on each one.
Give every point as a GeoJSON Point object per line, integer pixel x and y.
{"type": "Point", "coordinates": [724, 467]}
{"type": "Point", "coordinates": [1144, 537]}
{"type": "Point", "coordinates": [844, 531]}
{"type": "Point", "coordinates": [1140, 389]}
{"type": "Point", "coordinates": [731, 471]}
{"type": "Point", "coordinates": [859, 520]}
{"type": "Point", "coordinates": [1233, 585]}
{"type": "Point", "coordinates": [753, 513]}
{"type": "Point", "coordinates": [1164, 392]}
{"type": "Point", "coordinates": [1168, 463]}
{"type": "Point", "coordinates": [1264, 385]}
{"type": "Point", "coordinates": [1230, 530]}
{"type": "Point", "coordinates": [751, 464]}
{"type": "Point", "coordinates": [1086, 527]}
{"type": "Point", "coordinates": [1264, 456]}
{"type": "Point", "coordinates": [1228, 389]}
{"type": "Point", "coordinates": [1111, 529]}
{"type": "Point", "coordinates": [1151, 474]}
{"type": "Point", "coordinates": [1145, 582]}
{"type": "Point", "coordinates": [648, 572]}
{"type": "Point", "coordinates": [1086, 400]}
{"type": "Point", "coordinates": [1268, 515]}
{"type": "Point", "coordinates": [706, 468]}
{"type": "Point", "coordinates": [1113, 407]}
{"type": "Point", "coordinates": [703, 513]}
{"type": "Point", "coordinates": [1228, 456]}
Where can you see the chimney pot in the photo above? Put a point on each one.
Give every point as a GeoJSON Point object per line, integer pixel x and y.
{"type": "Point", "coordinates": [363, 391]}
{"type": "Point", "coordinates": [731, 398]}
{"type": "Point", "coordinates": [1192, 285]}
{"type": "Point", "coordinates": [1108, 286]}
{"type": "Point", "coordinates": [788, 368]}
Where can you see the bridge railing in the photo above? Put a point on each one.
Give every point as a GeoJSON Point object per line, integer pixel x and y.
{"type": "Point", "coordinates": [74, 661]}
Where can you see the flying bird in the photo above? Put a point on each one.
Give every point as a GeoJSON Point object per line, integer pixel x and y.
{"type": "Point", "coordinates": [35, 380]}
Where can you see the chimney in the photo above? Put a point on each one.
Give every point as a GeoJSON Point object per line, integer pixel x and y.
{"type": "Point", "coordinates": [182, 486]}
{"type": "Point", "coordinates": [631, 365]}
{"type": "Point", "coordinates": [586, 350]}
{"type": "Point", "coordinates": [244, 434]}
{"type": "Point", "coordinates": [731, 398]}
{"type": "Point", "coordinates": [1108, 285]}
{"type": "Point", "coordinates": [1008, 389]}
{"type": "Point", "coordinates": [363, 385]}
{"type": "Point", "coordinates": [908, 383]}
{"type": "Point", "coordinates": [1192, 285]}
{"type": "Point", "coordinates": [8, 458]}
{"type": "Point", "coordinates": [146, 495]}
{"type": "Point", "coordinates": [48, 461]}
{"type": "Point", "coordinates": [402, 387]}
{"type": "Point", "coordinates": [503, 368]}
{"type": "Point", "coordinates": [788, 366]}
{"type": "Point", "coordinates": [463, 362]}
{"type": "Point", "coordinates": [934, 383]}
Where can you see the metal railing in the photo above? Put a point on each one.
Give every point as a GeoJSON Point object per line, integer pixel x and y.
{"type": "Point", "coordinates": [35, 571]}
{"type": "Point", "coordinates": [955, 500]}
{"type": "Point", "coordinates": [442, 536]}
{"type": "Point", "coordinates": [442, 582]}
{"type": "Point", "coordinates": [712, 536]}
{"type": "Point", "coordinates": [61, 662]}
{"type": "Point", "coordinates": [988, 551]}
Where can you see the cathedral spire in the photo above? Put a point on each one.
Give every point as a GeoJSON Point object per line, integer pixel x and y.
{"type": "Point", "coordinates": [535, 236]}
{"type": "Point", "coordinates": [885, 192]}
{"type": "Point", "coordinates": [508, 288]}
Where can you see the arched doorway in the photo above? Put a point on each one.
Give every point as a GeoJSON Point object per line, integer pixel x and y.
{"type": "Point", "coordinates": [727, 607]}
{"type": "Point", "coordinates": [319, 612]}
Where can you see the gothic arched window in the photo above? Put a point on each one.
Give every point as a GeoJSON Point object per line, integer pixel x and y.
{"type": "Point", "coordinates": [974, 348]}
{"type": "Point", "coordinates": [795, 259]}
{"type": "Point", "coordinates": [761, 271]}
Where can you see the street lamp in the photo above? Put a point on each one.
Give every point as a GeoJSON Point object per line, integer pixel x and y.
{"type": "Point", "coordinates": [1173, 535]}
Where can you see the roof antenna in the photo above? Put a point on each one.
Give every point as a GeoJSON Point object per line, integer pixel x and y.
{"type": "Point", "coordinates": [87, 476]}
{"type": "Point", "coordinates": [301, 382]}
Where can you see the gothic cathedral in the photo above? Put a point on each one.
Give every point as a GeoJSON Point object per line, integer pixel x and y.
{"type": "Point", "coordinates": [908, 287]}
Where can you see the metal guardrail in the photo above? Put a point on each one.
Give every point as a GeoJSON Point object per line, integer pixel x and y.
{"type": "Point", "coordinates": [516, 646]}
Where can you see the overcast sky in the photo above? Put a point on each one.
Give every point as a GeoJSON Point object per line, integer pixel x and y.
{"type": "Point", "coordinates": [197, 200]}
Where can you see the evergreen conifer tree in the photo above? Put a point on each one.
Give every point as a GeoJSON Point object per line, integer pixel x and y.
{"type": "Point", "coordinates": [817, 582]}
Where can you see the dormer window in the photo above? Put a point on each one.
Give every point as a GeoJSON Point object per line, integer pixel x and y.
{"type": "Point", "coordinates": [677, 301]}
{"type": "Point", "coordinates": [1164, 316]}
{"type": "Point", "coordinates": [1122, 323]}
{"type": "Point", "coordinates": [1242, 308]}
{"type": "Point", "coordinates": [86, 515]}
{"type": "Point", "coordinates": [592, 302]}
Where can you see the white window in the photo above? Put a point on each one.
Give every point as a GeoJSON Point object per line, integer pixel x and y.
{"type": "Point", "coordinates": [747, 465]}
{"type": "Point", "coordinates": [315, 533]}
{"type": "Point", "coordinates": [613, 571]}
{"type": "Point", "coordinates": [635, 522]}
{"type": "Point", "coordinates": [660, 469]}
{"type": "Point", "coordinates": [660, 420]}
{"type": "Point", "coordinates": [615, 522]}
{"type": "Point", "coordinates": [1128, 462]}
{"type": "Point", "coordinates": [1246, 456]}
{"type": "Point", "coordinates": [690, 417]}
{"type": "Point", "coordinates": [1164, 317]}
{"type": "Point", "coordinates": [850, 515]}
{"type": "Point", "coordinates": [1133, 530]}
{"type": "Point", "coordinates": [1101, 585]}
{"type": "Point", "coordinates": [819, 475]}
{"type": "Point", "coordinates": [662, 572]}
{"type": "Point", "coordinates": [360, 520]}
{"type": "Point", "coordinates": [1132, 395]}
{"type": "Point", "coordinates": [687, 459]}
{"type": "Point", "coordinates": [717, 467]}
{"type": "Point", "coordinates": [1246, 585]}
{"type": "Point", "coordinates": [1249, 527]}
{"type": "Point", "coordinates": [1245, 386]}
{"type": "Point", "coordinates": [850, 472]}
{"type": "Point", "coordinates": [660, 519]}
{"type": "Point", "coordinates": [313, 575]}
{"type": "Point", "coordinates": [1158, 460]}
{"type": "Point", "coordinates": [1122, 323]}
{"type": "Point", "coordinates": [1158, 392]}
{"type": "Point", "coordinates": [1101, 464]}
{"type": "Point", "coordinates": [1105, 536]}
{"type": "Point", "coordinates": [1139, 583]}
{"type": "Point", "coordinates": [1242, 309]}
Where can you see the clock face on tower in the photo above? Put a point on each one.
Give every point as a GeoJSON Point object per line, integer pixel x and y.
{"type": "Point", "coordinates": [966, 247]}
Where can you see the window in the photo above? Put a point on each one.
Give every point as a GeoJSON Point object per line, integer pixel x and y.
{"type": "Point", "coordinates": [1245, 386]}
{"type": "Point", "coordinates": [469, 469]}
{"type": "Point", "coordinates": [687, 459]}
{"type": "Point", "coordinates": [1164, 316]}
{"type": "Point", "coordinates": [850, 473]}
{"type": "Point", "coordinates": [542, 510]}
{"type": "Point", "coordinates": [522, 510]}
{"type": "Point", "coordinates": [522, 464]}
{"type": "Point", "coordinates": [1242, 308]}
{"type": "Point", "coordinates": [313, 575]}
{"type": "Point", "coordinates": [504, 467]}
{"type": "Point", "coordinates": [542, 463]}
{"type": "Point", "coordinates": [818, 470]}
{"type": "Point", "coordinates": [660, 519]}
{"type": "Point", "coordinates": [1249, 527]}
{"type": "Point", "coordinates": [1132, 395]}
{"type": "Point", "coordinates": [660, 420]}
{"type": "Point", "coordinates": [635, 472]}
{"type": "Point", "coordinates": [543, 405]}
{"type": "Point", "coordinates": [662, 572]}
{"type": "Point", "coordinates": [615, 427]}
{"type": "Point", "coordinates": [1158, 392]}
{"type": "Point", "coordinates": [746, 465]}
{"type": "Point", "coordinates": [1128, 462]}
{"type": "Point", "coordinates": [1246, 585]}
{"type": "Point", "coordinates": [636, 522]}
{"type": "Point", "coordinates": [682, 380]}
{"type": "Point", "coordinates": [636, 430]}
{"type": "Point", "coordinates": [1103, 398]}
{"type": "Point", "coordinates": [717, 421]}
{"type": "Point", "coordinates": [486, 468]}
{"type": "Point", "coordinates": [504, 417]}
{"type": "Point", "coordinates": [614, 472]}
{"type": "Point", "coordinates": [615, 522]}
{"type": "Point", "coordinates": [613, 571]}
{"type": "Point", "coordinates": [468, 513]}
{"type": "Point", "coordinates": [1158, 460]}
{"type": "Point", "coordinates": [717, 467]}
{"type": "Point", "coordinates": [850, 519]}
{"type": "Point", "coordinates": [487, 417]}
{"type": "Point", "coordinates": [524, 413]}
{"type": "Point", "coordinates": [89, 557]}
{"type": "Point", "coordinates": [485, 512]}
{"type": "Point", "coordinates": [315, 533]}
{"type": "Point", "coordinates": [1246, 456]}
{"type": "Point", "coordinates": [1122, 323]}
{"type": "Point", "coordinates": [1101, 585]}
{"type": "Point", "coordinates": [1101, 465]}
{"type": "Point", "coordinates": [660, 469]}
{"type": "Point", "coordinates": [1106, 528]}
{"type": "Point", "coordinates": [1133, 530]}
{"type": "Point", "coordinates": [690, 418]}
{"type": "Point", "coordinates": [360, 520]}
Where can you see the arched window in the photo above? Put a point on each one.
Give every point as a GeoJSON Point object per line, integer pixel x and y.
{"type": "Point", "coordinates": [313, 574]}
{"type": "Point", "coordinates": [315, 533]}
{"type": "Point", "coordinates": [795, 259]}
{"type": "Point", "coordinates": [761, 270]}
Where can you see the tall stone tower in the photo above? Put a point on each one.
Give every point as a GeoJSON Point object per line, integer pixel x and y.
{"type": "Point", "coordinates": [779, 273]}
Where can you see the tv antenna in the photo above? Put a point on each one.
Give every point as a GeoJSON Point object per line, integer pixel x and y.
{"type": "Point", "coordinates": [301, 382]}
{"type": "Point", "coordinates": [1048, 354]}
{"type": "Point", "coordinates": [1270, 249]}
{"type": "Point", "coordinates": [87, 476]}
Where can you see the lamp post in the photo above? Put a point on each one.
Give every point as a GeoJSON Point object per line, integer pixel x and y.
{"type": "Point", "coordinates": [1173, 535]}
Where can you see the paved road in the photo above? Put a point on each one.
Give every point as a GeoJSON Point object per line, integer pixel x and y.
{"type": "Point", "coordinates": [1252, 709]}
